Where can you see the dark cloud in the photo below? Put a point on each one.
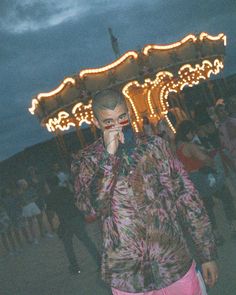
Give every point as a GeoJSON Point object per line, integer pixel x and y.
{"type": "Point", "coordinates": [44, 41]}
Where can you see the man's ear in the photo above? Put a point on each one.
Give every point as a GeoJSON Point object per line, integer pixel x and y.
{"type": "Point", "coordinates": [96, 123]}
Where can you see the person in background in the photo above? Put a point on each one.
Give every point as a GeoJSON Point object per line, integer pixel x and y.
{"type": "Point", "coordinates": [61, 200]}
{"type": "Point", "coordinates": [40, 187]}
{"type": "Point", "coordinates": [146, 203]}
{"type": "Point", "coordinates": [210, 141]}
{"type": "Point", "coordinates": [221, 113]}
{"type": "Point", "coordinates": [5, 231]}
{"type": "Point", "coordinates": [199, 166]}
{"type": "Point", "coordinates": [227, 128]}
{"type": "Point", "coordinates": [63, 177]}
{"type": "Point", "coordinates": [30, 210]}
{"type": "Point", "coordinates": [148, 128]}
{"type": "Point", "coordinates": [165, 132]}
{"type": "Point", "coordinates": [14, 210]}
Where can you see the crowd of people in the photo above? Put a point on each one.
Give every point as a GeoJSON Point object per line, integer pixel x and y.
{"type": "Point", "coordinates": [36, 207]}
{"type": "Point", "coordinates": [206, 147]}
{"type": "Point", "coordinates": [123, 180]}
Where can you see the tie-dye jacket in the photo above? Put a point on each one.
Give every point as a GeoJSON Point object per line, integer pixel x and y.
{"type": "Point", "coordinates": [147, 205]}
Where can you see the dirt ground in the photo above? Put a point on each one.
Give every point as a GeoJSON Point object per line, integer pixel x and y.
{"type": "Point", "coordinates": [42, 269]}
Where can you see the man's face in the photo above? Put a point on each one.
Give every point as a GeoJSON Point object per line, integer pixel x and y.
{"type": "Point", "coordinates": [107, 119]}
{"type": "Point", "coordinates": [209, 128]}
{"type": "Point", "coordinates": [190, 135]}
{"type": "Point", "coordinates": [221, 113]}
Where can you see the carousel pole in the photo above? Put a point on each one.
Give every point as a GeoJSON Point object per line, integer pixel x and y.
{"type": "Point", "coordinates": [220, 90]}
{"type": "Point", "coordinates": [226, 86]}
{"type": "Point", "coordinates": [205, 91]}
{"type": "Point", "coordinates": [210, 87]}
{"type": "Point", "coordinates": [80, 136]}
{"type": "Point", "coordinates": [94, 131]}
{"type": "Point", "coordinates": [181, 98]}
{"type": "Point", "coordinates": [62, 147]}
{"type": "Point", "coordinates": [179, 106]}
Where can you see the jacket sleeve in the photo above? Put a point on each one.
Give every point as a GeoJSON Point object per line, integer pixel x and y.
{"type": "Point", "coordinates": [191, 210]}
{"type": "Point", "coordinates": [94, 182]}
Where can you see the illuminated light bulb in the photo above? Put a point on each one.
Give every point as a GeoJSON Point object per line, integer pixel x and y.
{"type": "Point", "coordinates": [222, 36]}
{"type": "Point", "coordinates": [169, 46]}
{"type": "Point", "coordinates": [128, 54]}
{"type": "Point", "coordinates": [125, 92]}
{"type": "Point", "coordinates": [50, 128]}
{"type": "Point", "coordinates": [34, 106]}
{"type": "Point", "coordinates": [58, 89]}
{"type": "Point", "coordinates": [170, 124]}
{"type": "Point", "coordinates": [55, 123]}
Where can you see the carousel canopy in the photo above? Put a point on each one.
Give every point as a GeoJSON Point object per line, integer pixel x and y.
{"type": "Point", "coordinates": [146, 79]}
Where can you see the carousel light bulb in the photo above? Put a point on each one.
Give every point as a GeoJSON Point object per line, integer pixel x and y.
{"type": "Point", "coordinates": [129, 54]}
{"type": "Point", "coordinates": [150, 47]}
{"type": "Point", "coordinates": [66, 81]}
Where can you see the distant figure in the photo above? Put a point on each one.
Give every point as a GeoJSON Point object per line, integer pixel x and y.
{"type": "Point", "coordinates": [39, 185]}
{"type": "Point", "coordinates": [148, 128]}
{"type": "Point", "coordinates": [206, 172]}
{"type": "Point", "coordinates": [227, 128]}
{"type": "Point", "coordinates": [5, 231]}
{"type": "Point", "coordinates": [165, 132]}
{"type": "Point", "coordinates": [175, 113]}
{"type": "Point", "coordinates": [14, 210]}
{"type": "Point", "coordinates": [72, 223]}
{"type": "Point", "coordinates": [63, 176]}
{"type": "Point", "coordinates": [30, 210]}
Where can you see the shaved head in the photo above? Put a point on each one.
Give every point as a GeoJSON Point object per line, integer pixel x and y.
{"type": "Point", "coordinates": [106, 100]}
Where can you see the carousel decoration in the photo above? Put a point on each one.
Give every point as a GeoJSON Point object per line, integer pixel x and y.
{"type": "Point", "coordinates": [146, 78]}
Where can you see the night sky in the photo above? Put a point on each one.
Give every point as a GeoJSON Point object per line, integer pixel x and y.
{"type": "Point", "coordinates": [44, 41]}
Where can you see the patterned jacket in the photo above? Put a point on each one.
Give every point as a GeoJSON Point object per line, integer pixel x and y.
{"type": "Point", "coordinates": [147, 205]}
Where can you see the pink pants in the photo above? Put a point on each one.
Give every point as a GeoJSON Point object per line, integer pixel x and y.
{"type": "Point", "coordinates": [187, 285]}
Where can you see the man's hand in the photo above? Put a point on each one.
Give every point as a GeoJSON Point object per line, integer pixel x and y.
{"type": "Point", "coordinates": [112, 137]}
{"type": "Point", "coordinates": [210, 273]}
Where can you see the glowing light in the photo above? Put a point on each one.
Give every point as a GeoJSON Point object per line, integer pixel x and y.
{"type": "Point", "coordinates": [83, 113]}
{"type": "Point", "coordinates": [169, 123]}
{"type": "Point", "coordinates": [58, 89]}
{"type": "Point", "coordinates": [165, 81]}
{"type": "Point", "coordinates": [150, 102]}
{"type": "Point", "coordinates": [135, 126]}
{"type": "Point", "coordinates": [186, 39]}
{"type": "Point", "coordinates": [34, 106]}
{"type": "Point", "coordinates": [126, 94]}
{"type": "Point", "coordinates": [35, 101]}
{"type": "Point", "coordinates": [129, 54]}
{"type": "Point", "coordinates": [169, 46]}
{"type": "Point", "coordinates": [222, 36]}
{"type": "Point", "coordinates": [62, 122]}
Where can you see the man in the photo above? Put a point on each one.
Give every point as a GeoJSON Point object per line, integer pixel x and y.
{"type": "Point", "coordinates": [61, 200]}
{"type": "Point", "coordinates": [63, 176]}
{"type": "Point", "coordinates": [146, 203]}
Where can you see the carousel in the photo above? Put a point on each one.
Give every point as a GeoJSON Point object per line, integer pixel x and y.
{"type": "Point", "coordinates": [147, 78]}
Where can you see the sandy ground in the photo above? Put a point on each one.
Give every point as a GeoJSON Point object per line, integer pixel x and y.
{"type": "Point", "coordinates": [42, 269]}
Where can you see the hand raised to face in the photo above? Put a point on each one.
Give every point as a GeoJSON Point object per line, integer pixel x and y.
{"type": "Point", "coordinates": [112, 137]}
